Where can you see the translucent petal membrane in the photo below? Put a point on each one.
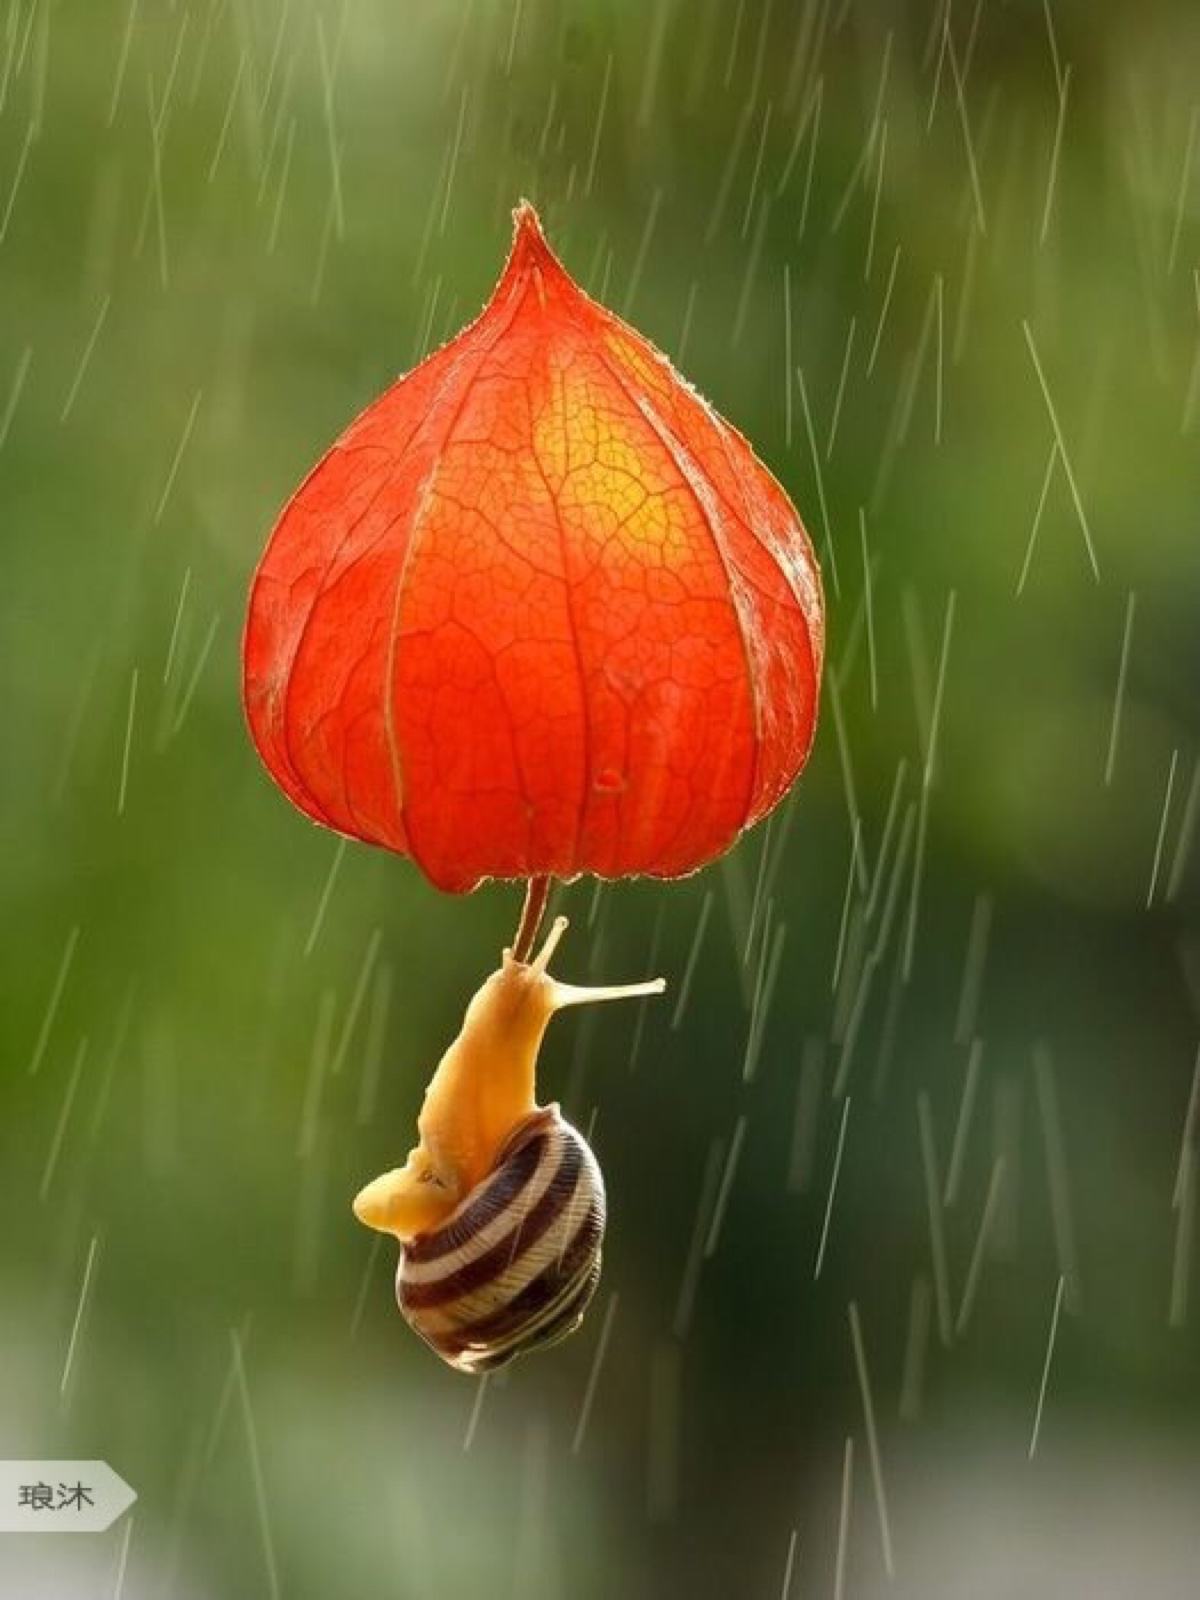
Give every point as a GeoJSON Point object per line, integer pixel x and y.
{"type": "Point", "coordinates": [538, 610]}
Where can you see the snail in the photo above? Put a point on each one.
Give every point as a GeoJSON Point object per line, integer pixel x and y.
{"type": "Point", "coordinates": [499, 1209]}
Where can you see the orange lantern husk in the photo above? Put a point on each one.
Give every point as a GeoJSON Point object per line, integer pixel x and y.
{"type": "Point", "coordinates": [539, 611]}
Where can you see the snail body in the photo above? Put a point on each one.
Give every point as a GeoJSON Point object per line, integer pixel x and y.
{"type": "Point", "coordinates": [500, 1208]}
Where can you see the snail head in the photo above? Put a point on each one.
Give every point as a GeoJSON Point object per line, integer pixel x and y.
{"type": "Point", "coordinates": [411, 1199]}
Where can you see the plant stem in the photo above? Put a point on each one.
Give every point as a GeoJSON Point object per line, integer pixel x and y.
{"type": "Point", "coordinates": [537, 892]}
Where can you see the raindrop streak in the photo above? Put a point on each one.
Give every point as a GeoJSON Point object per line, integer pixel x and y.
{"type": "Point", "coordinates": [883, 311]}
{"type": "Point", "coordinates": [360, 1303]}
{"type": "Point", "coordinates": [124, 784]}
{"type": "Point", "coordinates": [453, 166]}
{"type": "Point", "coordinates": [1062, 450]}
{"type": "Point", "coordinates": [585, 1412]}
{"type": "Point", "coordinates": [377, 1024]}
{"type": "Point", "coordinates": [820, 480]}
{"type": "Point", "coordinates": [1181, 197]}
{"type": "Point", "coordinates": [841, 388]}
{"type": "Point", "coordinates": [1187, 1143]}
{"type": "Point", "coordinates": [855, 836]}
{"type": "Point", "coordinates": [812, 161]}
{"type": "Point", "coordinates": [885, 842]}
{"type": "Point", "coordinates": [878, 195]}
{"type": "Point", "coordinates": [174, 641]}
{"type": "Point", "coordinates": [115, 1053]}
{"type": "Point", "coordinates": [323, 903]}
{"type": "Point", "coordinates": [858, 1009]}
{"type": "Point", "coordinates": [839, 1580]}
{"type": "Point", "coordinates": [962, 1127]}
{"type": "Point", "coordinates": [695, 1256]}
{"type": "Point", "coordinates": [762, 1002]}
{"type": "Point", "coordinates": [1041, 1400]}
{"type": "Point", "coordinates": [1184, 1233]}
{"type": "Point", "coordinates": [870, 610]}
{"type": "Point", "coordinates": [653, 66]}
{"type": "Point", "coordinates": [753, 256]}
{"type": "Point", "coordinates": [260, 1496]}
{"type": "Point", "coordinates": [60, 1126]}
{"type": "Point", "coordinates": [966, 297]}
{"type": "Point", "coordinates": [926, 786]}
{"type": "Point", "coordinates": [197, 670]}
{"type": "Point", "coordinates": [717, 214]}
{"type": "Point", "coordinates": [123, 1557]}
{"type": "Point", "coordinates": [596, 132]}
{"type": "Point", "coordinates": [755, 904]}
{"type": "Point", "coordinates": [476, 1408]}
{"type": "Point", "coordinates": [1119, 697]}
{"type": "Point", "coordinates": [891, 899]}
{"type": "Point", "coordinates": [975, 1270]}
{"type": "Point", "coordinates": [277, 217]}
{"type": "Point", "coordinates": [965, 122]}
{"type": "Point", "coordinates": [756, 172]}
{"type": "Point", "coordinates": [81, 369]}
{"type": "Point", "coordinates": [918, 660]}
{"type": "Point", "coordinates": [1056, 1177]}
{"type": "Point", "coordinates": [87, 684]}
{"type": "Point", "coordinates": [685, 330]}
{"type": "Point", "coordinates": [643, 1008]}
{"type": "Point", "coordinates": [807, 1116]}
{"type": "Point", "coordinates": [1162, 830]}
{"type": "Point", "coordinates": [122, 62]}
{"type": "Point", "coordinates": [178, 457]}
{"type": "Point", "coordinates": [864, 1384]}
{"type": "Point", "coordinates": [689, 970]}
{"type": "Point", "coordinates": [224, 1400]}
{"type": "Point", "coordinates": [912, 1385]}
{"type": "Point", "coordinates": [639, 260]}
{"type": "Point", "coordinates": [789, 1567]}
{"type": "Point", "coordinates": [730, 1173]}
{"type": "Point", "coordinates": [839, 728]}
{"type": "Point", "coordinates": [155, 190]}
{"type": "Point", "coordinates": [228, 118]}
{"type": "Point", "coordinates": [936, 714]}
{"type": "Point", "coordinates": [1064, 90]}
{"type": "Point", "coordinates": [56, 994]}
{"type": "Point", "coordinates": [317, 1066]}
{"type": "Point", "coordinates": [16, 183]}
{"type": "Point", "coordinates": [1054, 56]}
{"type": "Point", "coordinates": [811, 106]}
{"type": "Point", "coordinates": [939, 297]}
{"type": "Point", "coordinates": [787, 356]}
{"type": "Point", "coordinates": [14, 394]}
{"type": "Point", "coordinates": [937, 1234]}
{"type": "Point", "coordinates": [833, 1183]}
{"type": "Point", "coordinates": [335, 166]}
{"type": "Point", "coordinates": [85, 1289]}
{"type": "Point", "coordinates": [356, 1002]}
{"type": "Point", "coordinates": [972, 980]}
{"type": "Point", "coordinates": [1187, 828]}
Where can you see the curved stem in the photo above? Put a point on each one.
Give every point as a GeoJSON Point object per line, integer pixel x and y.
{"type": "Point", "coordinates": [537, 892]}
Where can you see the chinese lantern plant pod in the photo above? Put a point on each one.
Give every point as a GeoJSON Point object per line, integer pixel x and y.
{"type": "Point", "coordinates": [538, 612]}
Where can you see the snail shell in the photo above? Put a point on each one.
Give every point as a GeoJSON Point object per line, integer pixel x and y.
{"type": "Point", "coordinates": [514, 1266]}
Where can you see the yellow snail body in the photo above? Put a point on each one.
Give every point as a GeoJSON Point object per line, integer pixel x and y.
{"type": "Point", "coordinates": [499, 1208]}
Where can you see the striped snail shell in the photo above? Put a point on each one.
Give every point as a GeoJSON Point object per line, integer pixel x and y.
{"type": "Point", "coordinates": [514, 1265]}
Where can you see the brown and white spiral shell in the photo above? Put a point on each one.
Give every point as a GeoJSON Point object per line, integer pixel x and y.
{"type": "Point", "coordinates": [515, 1264]}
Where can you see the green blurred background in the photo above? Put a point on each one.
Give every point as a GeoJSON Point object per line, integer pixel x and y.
{"type": "Point", "coordinates": [224, 227]}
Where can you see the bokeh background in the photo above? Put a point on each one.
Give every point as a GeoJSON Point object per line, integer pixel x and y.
{"type": "Point", "coordinates": [940, 264]}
